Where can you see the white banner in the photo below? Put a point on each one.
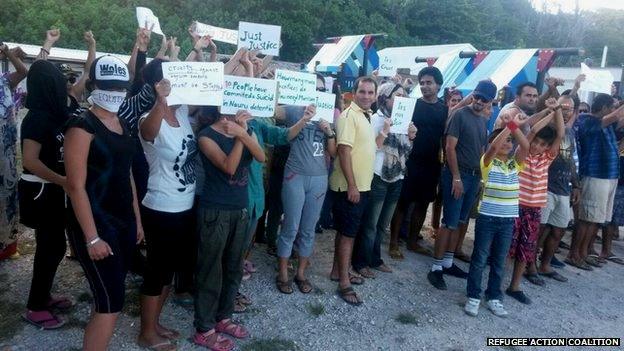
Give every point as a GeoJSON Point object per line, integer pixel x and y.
{"type": "Point", "coordinates": [223, 35]}
{"type": "Point", "coordinates": [252, 94]}
{"type": "Point", "coordinates": [147, 19]}
{"type": "Point", "coordinates": [194, 83]}
{"type": "Point", "coordinates": [295, 88]}
{"type": "Point", "coordinates": [262, 37]}
{"type": "Point", "coordinates": [402, 112]}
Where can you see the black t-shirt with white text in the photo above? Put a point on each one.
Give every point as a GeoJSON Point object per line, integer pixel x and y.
{"type": "Point", "coordinates": [39, 127]}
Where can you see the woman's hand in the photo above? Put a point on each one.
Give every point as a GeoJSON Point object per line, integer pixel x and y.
{"type": "Point", "coordinates": [99, 251]}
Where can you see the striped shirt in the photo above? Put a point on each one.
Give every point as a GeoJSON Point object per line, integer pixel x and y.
{"type": "Point", "coordinates": [501, 187]}
{"type": "Point", "coordinates": [534, 180]}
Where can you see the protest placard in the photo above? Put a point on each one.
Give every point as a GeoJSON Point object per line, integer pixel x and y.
{"type": "Point", "coordinates": [262, 37]}
{"type": "Point", "coordinates": [598, 81]}
{"type": "Point", "coordinates": [252, 94]}
{"type": "Point", "coordinates": [295, 88]}
{"type": "Point", "coordinates": [194, 83]}
{"type": "Point", "coordinates": [147, 19]}
{"type": "Point", "coordinates": [325, 103]}
{"type": "Point", "coordinates": [223, 35]}
{"type": "Point", "coordinates": [402, 112]}
{"type": "Point", "coordinates": [387, 67]}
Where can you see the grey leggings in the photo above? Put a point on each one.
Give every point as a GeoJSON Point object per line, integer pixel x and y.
{"type": "Point", "coordinates": [302, 197]}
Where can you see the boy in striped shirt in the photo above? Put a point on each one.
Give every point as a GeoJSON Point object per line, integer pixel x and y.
{"type": "Point", "coordinates": [498, 209]}
{"type": "Point", "coordinates": [544, 147]}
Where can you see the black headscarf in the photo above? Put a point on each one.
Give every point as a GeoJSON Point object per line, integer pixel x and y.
{"type": "Point", "coordinates": [47, 91]}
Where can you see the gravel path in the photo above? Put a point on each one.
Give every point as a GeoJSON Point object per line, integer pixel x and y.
{"type": "Point", "coordinates": [401, 310]}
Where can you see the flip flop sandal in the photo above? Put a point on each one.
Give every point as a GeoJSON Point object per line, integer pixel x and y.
{"type": "Point", "coordinates": [598, 258]}
{"type": "Point", "coordinates": [159, 346]}
{"type": "Point", "coordinates": [367, 273]}
{"type": "Point", "coordinates": [593, 262]}
{"type": "Point", "coordinates": [580, 264]}
{"type": "Point", "coordinates": [554, 275]}
{"type": "Point", "coordinates": [353, 279]}
{"type": "Point", "coordinates": [43, 319]}
{"type": "Point", "coordinates": [170, 334]}
{"type": "Point", "coordinates": [304, 285]}
{"type": "Point", "coordinates": [239, 307]}
{"type": "Point", "coordinates": [535, 279]}
{"type": "Point", "coordinates": [284, 287]}
{"type": "Point", "coordinates": [396, 254]}
{"type": "Point", "coordinates": [616, 259]}
{"type": "Point", "coordinates": [383, 268]}
{"type": "Point", "coordinates": [61, 303]}
{"type": "Point", "coordinates": [346, 292]}
{"type": "Point", "coordinates": [243, 299]}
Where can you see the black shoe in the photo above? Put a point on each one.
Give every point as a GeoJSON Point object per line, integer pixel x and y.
{"type": "Point", "coordinates": [519, 295]}
{"type": "Point", "coordinates": [556, 263]}
{"type": "Point", "coordinates": [436, 278]}
{"type": "Point", "coordinates": [455, 271]}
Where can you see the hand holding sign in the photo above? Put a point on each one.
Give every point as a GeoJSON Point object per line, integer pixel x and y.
{"type": "Point", "coordinates": [262, 37]}
{"type": "Point", "coordinates": [402, 112]}
{"type": "Point", "coordinates": [146, 18]}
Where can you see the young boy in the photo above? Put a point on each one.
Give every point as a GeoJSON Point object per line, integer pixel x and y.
{"type": "Point", "coordinates": [498, 209]}
{"type": "Point", "coordinates": [544, 148]}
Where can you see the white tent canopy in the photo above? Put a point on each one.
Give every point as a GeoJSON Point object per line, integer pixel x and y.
{"type": "Point", "coordinates": [404, 57]}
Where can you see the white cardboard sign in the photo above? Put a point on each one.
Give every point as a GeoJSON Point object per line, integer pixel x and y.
{"type": "Point", "coordinates": [146, 19]}
{"type": "Point", "coordinates": [325, 103]}
{"type": "Point", "coordinates": [598, 81]}
{"type": "Point", "coordinates": [223, 35]}
{"type": "Point", "coordinates": [255, 95]}
{"type": "Point", "coordinates": [295, 88]}
{"type": "Point", "coordinates": [386, 67]}
{"type": "Point", "coordinates": [194, 83]}
{"type": "Point", "coordinates": [402, 112]}
{"type": "Point", "coordinates": [262, 37]}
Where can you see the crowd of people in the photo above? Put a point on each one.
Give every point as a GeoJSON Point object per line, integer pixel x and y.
{"type": "Point", "coordinates": [124, 172]}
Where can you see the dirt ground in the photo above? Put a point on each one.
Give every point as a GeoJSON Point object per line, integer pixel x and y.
{"type": "Point", "coordinates": [402, 311]}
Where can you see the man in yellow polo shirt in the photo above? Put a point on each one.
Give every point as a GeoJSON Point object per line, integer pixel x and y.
{"type": "Point", "coordinates": [351, 181]}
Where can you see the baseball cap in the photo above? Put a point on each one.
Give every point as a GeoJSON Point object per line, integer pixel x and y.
{"type": "Point", "coordinates": [485, 89]}
{"type": "Point", "coordinates": [66, 69]}
{"type": "Point", "coordinates": [109, 72]}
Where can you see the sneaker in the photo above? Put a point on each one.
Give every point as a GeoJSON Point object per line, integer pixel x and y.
{"type": "Point", "coordinates": [436, 278]}
{"type": "Point", "coordinates": [455, 271]}
{"type": "Point", "coordinates": [519, 295]}
{"type": "Point", "coordinates": [497, 308]}
{"type": "Point", "coordinates": [472, 307]}
{"type": "Point", "coordinates": [554, 262]}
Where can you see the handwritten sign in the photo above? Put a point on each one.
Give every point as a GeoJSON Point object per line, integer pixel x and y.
{"type": "Point", "coordinates": [252, 94]}
{"type": "Point", "coordinates": [263, 37]}
{"type": "Point", "coordinates": [295, 88]}
{"type": "Point", "coordinates": [223, 35]}
{"type": "Point", "coordinates": [402, 112]}
{"type": "Point", "coordinates": [194, 83]}
{"type": "Point", "coordinates": [387, 67]}
{"type": "Point", "coordinates": [325, 103]}
{"type": "Point", "coordinates": [147, 19]}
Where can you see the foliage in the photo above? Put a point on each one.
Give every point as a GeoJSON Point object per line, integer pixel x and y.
{"type": "Point", "coordinates": [487, 24]}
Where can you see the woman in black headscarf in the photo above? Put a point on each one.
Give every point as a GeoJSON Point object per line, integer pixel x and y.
{"type": "Point", "coordinates": [41, 187]}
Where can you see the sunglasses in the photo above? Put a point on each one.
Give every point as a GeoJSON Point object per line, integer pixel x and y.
{"type": "Point", "coordinates": [321, 89]}
{"type": "Point", "coordinates": [583, 111]}
{"type": "Point", "coordinates": [481, 98]}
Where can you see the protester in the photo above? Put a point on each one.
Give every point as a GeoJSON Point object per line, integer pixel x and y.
{"type": "Point", "coordinates": [423, 164]}
{"type": "Point", "coordinates": [351, 180]}
{"type": "Point", "coordinates": [42, 200]}
{"type": "Point", "coordinates": [227, 148]}
{"type": "Point", "coordinates": [466, 137]}
{"type": "Point", "coordinates": [9, 104]}
{"type": "Point", "coordinates": [107, 225]}
{"type": "Point", "coordinates": [544, 148]}
{"type": "Point", "coordinates": [497, 212]}
{"type": "Point", "coordinates": [390, 159]}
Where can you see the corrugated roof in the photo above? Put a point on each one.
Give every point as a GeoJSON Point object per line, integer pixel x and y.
{"type": "Point", "coordinates": [404, 57]}
{"type": "Point", "coordinates": [453, 70]}
{"type": "Point", "coordinates": [334, 54]}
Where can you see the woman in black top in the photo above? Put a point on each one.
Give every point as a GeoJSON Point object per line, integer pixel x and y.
{"type": "Point", "coordinates": [99, 150]}
{"type": "Point", "coordinates": [42, 198]}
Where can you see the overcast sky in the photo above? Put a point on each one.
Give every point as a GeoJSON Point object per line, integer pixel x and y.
{"type": "Point", "coordinates": [569, 5]}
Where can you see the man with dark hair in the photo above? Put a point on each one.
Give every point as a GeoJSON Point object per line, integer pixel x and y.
{"type": "Point", "coordinates": [466, 137]}
{"type": "Point", "coordinates": [525, 102]}
{"type": "Point", "coordinates": [423, 164]}
{"type": "Point", "coordinates": [350, 182]}
{"type": "Point", "coordinates": [599, 172]}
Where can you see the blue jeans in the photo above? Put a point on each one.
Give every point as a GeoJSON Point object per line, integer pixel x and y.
{"type": "Point", "coordinates": [382, 201]}
{"type": "Point", "coordinates": [492, 239]}
{"type": "Point", "coordinates": [456, 211]}
{"type": "Point", "coordinates": [303, 198]}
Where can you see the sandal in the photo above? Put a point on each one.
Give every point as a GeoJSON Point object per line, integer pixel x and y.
{"type": "Point", "coordinates": [395, 253]}
{"type": "Point", "coordinates": [304, 285]}
{"type": "Point", "coordinates": [535, 279]}
{"type": "Point", "coordinates": [243, 299]}
{"type": "Point", "coordinates": [169, 333]}
{"type": "Point", "coordinates": [353, 279]}
{"type": "Point", "coordinates": [592, 261]}
{"type": "Point", "coordinates": [230, 328]}
{"type": "Point", "coordinates": [383, 268]}
{"type": "Point", "coordinates": [600, 259]}
{"type": "Point", "coordinates": [554, 275]}
{"type": "Point", "coordinates": [213, 341]}
{"type": "Point", "coordinates": [250, 267]}
{"type": "Point", "coordinates": [43, 319]}
{"type": "Point", "coordinates": [578, 264]}
{"type": "Point", "coordinates": [239, 307]}
{"type": "Point", "coordinates": [366, 273]}
{"type": "Point", "coordinates": [61, 303]}
{"type": "Point", "coordinates": [284, 287]}
{"type": "Point", "coordinates": [349, 292]}
{"type": "Point", "coordinates": [161, 346]}
{"type": "Point", "coordinates": [616, 259]}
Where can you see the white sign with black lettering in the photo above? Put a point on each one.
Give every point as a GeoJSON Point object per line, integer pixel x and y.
{"type": "Point", "coordinates": [255, 95]}
{"type": "Point", "coordinates": [262, 37]}
{"type": "Point", "coordinates": [325, 103]}
{"type": "Point", "coordinates": [295, 88]}
{"type": "Point", "coordinates": [194, 83]}
{"type": "Point", "coordinates": [402, 112]}
{"type": "Point", "coordinates": [386, 67]}
{"type": "Point", "coordinates": [223, 35]}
